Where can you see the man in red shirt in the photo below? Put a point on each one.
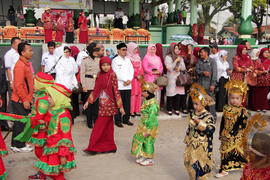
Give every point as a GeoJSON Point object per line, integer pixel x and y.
{"type": "Point", "coordinates": [22, 94]}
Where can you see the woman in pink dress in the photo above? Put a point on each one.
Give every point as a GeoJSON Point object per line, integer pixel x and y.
{"type": "Point", "coordinates": [136, 93]}
{"type": "Point", "coordinates": [153, 67]}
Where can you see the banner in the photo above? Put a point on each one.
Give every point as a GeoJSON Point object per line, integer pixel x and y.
{"type": "Point", "coordinates": [58, 4]}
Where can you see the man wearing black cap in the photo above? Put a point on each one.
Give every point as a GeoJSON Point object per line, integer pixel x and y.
{"type": "Point", "coordinates": [124, 71]}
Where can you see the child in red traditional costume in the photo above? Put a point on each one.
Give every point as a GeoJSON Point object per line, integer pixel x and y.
{"type": "Point", "coordinates": [82, 23]}
{"type": "Point", "coordinates": [60, 28]}
{"type": "Point", "coordinates": [3, 153]}
{"type": "Point", "coordinates": [48, 25]}
{"type": "Point", "coordinates": [40, 116]}
{"type": "Point", "coordinates": [106, 89]}
{"type": "Point", "coordinates": [58, 152]}
{"type": "Point", "coordinates": [257, 149]}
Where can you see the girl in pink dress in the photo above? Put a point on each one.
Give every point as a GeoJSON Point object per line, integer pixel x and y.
{"type": "Point", "coordinates": [136, 93]}
{"type": "Point", "coordinates": [153, 67]}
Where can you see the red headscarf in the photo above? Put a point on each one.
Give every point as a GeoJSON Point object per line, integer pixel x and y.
{"type": "Point", "coordinates": [74, 51]}
{"type": "Point", "coordinates": [196, 51]}
{"type": "Point", "coordinates": [244, 60]}
{"type": "Point", "coordinates": [159, 53]}
{"type": "Point", "coordinates": [103, 81]}
{"type": "Point", "coordinates": [184, 51]}
{"type": "Point", "coordinates": [265, 61]}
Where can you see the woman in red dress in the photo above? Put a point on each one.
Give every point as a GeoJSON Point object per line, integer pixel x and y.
{"type": "Point", "coordinates": [102, 137]}
{"type": "Point", "coordinates": [82, 23]}
{"type": "Point", "coordinates": [261, 90]}
{"type": "Point", "coordinates": [3, 153]}
{"type": "Point", "coordinates": [60, 27]}
{"type": "Point", "coordinates": [48, 25]}
{"type": "Point", "coordinates": [242, 64]}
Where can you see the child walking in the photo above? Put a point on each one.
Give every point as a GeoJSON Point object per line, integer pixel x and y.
{"type": "Point", "coordinates": [198, 152]}
{"type": "Point", "coordinates": [106, 89]}
{"type": "Point", "coordinates": [145, 136]}
{"type": "Point", "coordinates": [232, 128]}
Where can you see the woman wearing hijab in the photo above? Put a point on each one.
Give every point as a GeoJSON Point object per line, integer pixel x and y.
{"type": "Point", "coordinates": [242, 63]}
{"type": "Point", "coordinates": [136, 93]}
{"type": "Point", "coordinates": [82, 24]}
{"type": "Point", "coordinates": [152, 67]}
{"type": "Point", "coordinates": [102, 137]}
{"type": "Point", "coordinates": [259, 92]}
{"type": "Point", "coordinates": [175, 94]}
{"type": "Point", "coordinates": [224, 70]}
{"type": "Point", "coordinates": [60, 28]}
{"type": "Point", "coordinates": [70, 29]}
{"type": "Point", "coordinates": [159, 53]}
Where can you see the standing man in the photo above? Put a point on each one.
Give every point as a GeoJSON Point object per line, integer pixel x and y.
{"type": "Point", "coordinates": [22, 94]}
{"type": "Point", "coordinates": [11, 57]}
{"type": "Point", "coordinates": [184, 15]}
{"type": "Point", "coordinates": [48, 24]}
{"type": "Point", "coordinates": [124, 71]}
{"type": "Point", "coordinates": [214, 52]}
{"type": "Point", "coordinates": [206, 70]}
{"type": "Point", "coordinates": [49, 60]}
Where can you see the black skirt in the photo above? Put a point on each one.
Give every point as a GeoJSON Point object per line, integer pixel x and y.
{"type": "Point", "coordinates": [221, 95]}
{"type": "Point", "coordinates": [69, 37]}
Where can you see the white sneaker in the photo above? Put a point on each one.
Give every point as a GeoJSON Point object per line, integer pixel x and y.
{"type": "Point", "coordinates": [221, 174]}
{"type": "Point", "coordinates": [140, 159]}
{"type": "Point", "coordinates": [147, 162]}
{"type": "Point", "coordinates": [24, 149]}
{"type": "Point", "coordinates": [15, 149]}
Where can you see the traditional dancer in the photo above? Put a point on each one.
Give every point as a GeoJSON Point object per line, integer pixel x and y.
{"type": "Point", "coordinates": [40, 116]}
{"type": "Point", "coordinates": [106, 89]}
{"type": "Point", "coordinates": [232, 128]}
{"type": "Point", "coordinates": [48, 25]}
{"type": "Point", "coordinates": [199, 146]}
{"type": "Point", "coordinates": [257, 149]}
{"type": "Point", "coordinates": [3, 153]}
{"type": "Point", "coordinates": [83, 33]}
{"type": "Point", "coordinates": [145, 136]}
{"type": "Point", "coordinates": [58, 153]}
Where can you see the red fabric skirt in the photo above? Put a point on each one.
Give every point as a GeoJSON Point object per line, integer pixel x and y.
{"type": "Point", "coordinates": [83, 37]}
{"type": "Point", "coordinates": [258, 98]}
{"type": "Point", "coordinates": [102, 137]}
{"type": "Point", "coordinates": [3, 173]}
{"type": "Point", "coordinates": [48, 35]}
{"type": "Point", "coordinates": [59, 36]}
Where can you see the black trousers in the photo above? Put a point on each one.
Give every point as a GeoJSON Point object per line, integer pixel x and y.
{"type": "Point", "coordinates": [125, 95]}
{"type": "Point", "coordinates": [18, 126]}
{"type": "Point", "coordinates": [75, 106]}
{"type": "Point", "coordinates": [221, 95]}
{"type": "Point", "coordinates": [177, 102]}
{"type": "Point", "coordinates": [91, 112]}
{"type": "Point", "coordinates": [69, 37]}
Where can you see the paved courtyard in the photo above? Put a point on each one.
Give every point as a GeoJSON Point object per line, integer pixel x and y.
{"type": "Point", "coordinates": [168, 165]}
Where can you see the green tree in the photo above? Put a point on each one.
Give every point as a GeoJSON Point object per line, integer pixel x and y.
{"type": "Point", "coordinates": [258, 12]}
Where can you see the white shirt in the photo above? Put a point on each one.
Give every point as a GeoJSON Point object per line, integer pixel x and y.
{"type": "Point", "coordinates": [66, 70]}
{"type": "Point", "coordinates": [48, 61]}
{"type": "Point", "coordinates": [123, 70]}
{"type": "Point", "coordinates": [215, 56]}
{"type": "Point", "coordinates": [11, 57]}
{"type": "Point", "coordinates": [222, 67]}
{"type": "Point", "coordinates": [82, 54]}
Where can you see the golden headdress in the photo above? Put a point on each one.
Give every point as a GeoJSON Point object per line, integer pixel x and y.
{"type": "Point", "coordinates": [148, 86]}
{"type": "Point", "coordinates": [237, 87]}
{"type": "Point", "coordinates": [197, 92]}
{"type": "Point", "coordinates": [257, 135]}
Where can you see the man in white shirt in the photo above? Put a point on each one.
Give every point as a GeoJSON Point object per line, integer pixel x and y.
{"type": "Point", "coordinates": [11, 57]}
{"type": "Point", "coordinates": [124, 71]}
{"type": "Point", "coordinates": [49, 60]}
{"type": "Point", "coordinates": [214, 51]}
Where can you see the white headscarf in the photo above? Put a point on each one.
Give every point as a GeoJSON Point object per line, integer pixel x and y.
{"type": "Point", "coordinates": [254, 54]}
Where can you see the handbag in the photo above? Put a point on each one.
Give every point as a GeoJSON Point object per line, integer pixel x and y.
{"type": "Point", "coordinates": [162, 81]}
{"type": "Point", "coordinates": [183, 79]}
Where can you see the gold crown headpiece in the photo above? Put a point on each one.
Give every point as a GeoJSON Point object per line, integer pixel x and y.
{"type": "Point", "coordinates": [148, 86]}
{"type": "Point", "coordinates": [197, 92]}
{"type": "Point", "coordinates": [237, 87]}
